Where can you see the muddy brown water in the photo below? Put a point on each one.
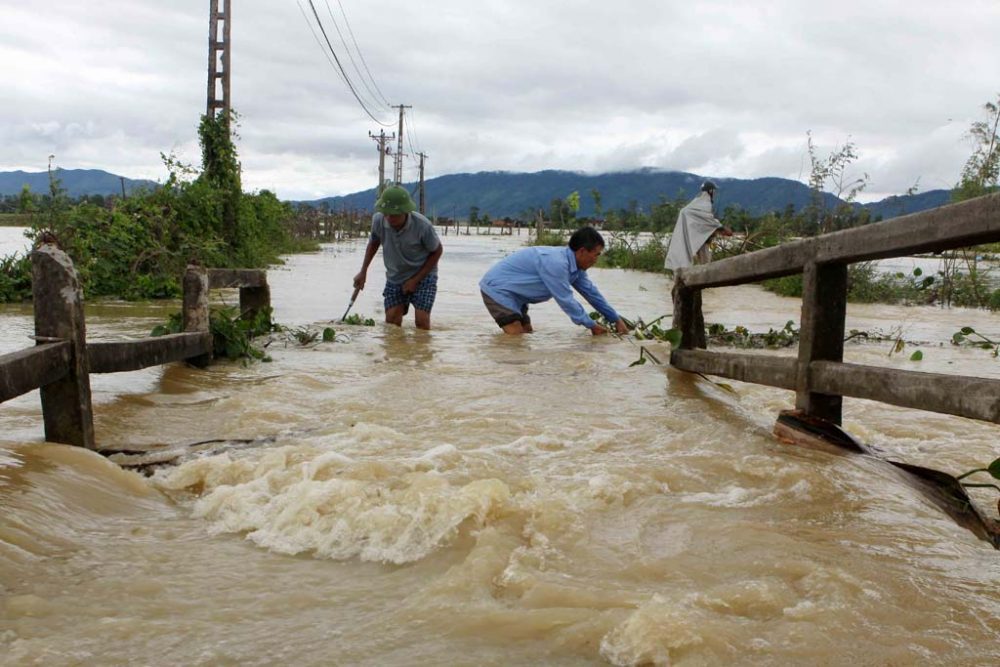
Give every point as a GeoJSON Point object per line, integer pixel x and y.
{"type": "Point", "coordinates": [458, 497]}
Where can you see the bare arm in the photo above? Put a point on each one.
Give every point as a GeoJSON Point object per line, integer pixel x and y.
{"type": "Point", "coordinates": [359, 280]}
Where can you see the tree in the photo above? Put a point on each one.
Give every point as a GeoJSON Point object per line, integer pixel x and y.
{"type": "Point", "coordinates": [573, 203]}
{"type": "Point", "coordinates": [982, 169]}
{"type": "Point", "coordinates": [474, 215]}
{"type": "Point", "coordinates": [831, 172]}
{"type": "Point", "coordinates": [221, 167]}
{"type": "Point", "coordinates": [25, 201]}
{"type": "Point", "coordinates": [596, 195]}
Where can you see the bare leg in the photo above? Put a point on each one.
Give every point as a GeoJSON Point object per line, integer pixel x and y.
{"type": "Point", "coordinates": [394, 315]}
{"type": "Point", "coordinates": [515, 328]}
{"type": "Point", "coordinates": [422, 318]}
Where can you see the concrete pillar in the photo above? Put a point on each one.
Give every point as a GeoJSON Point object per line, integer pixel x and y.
{"type": "Point", "coordinates": [254, 299]}
{"type": "Point", "coordinates": [821, 338]}
{"type": "Point", "coordinates": [195, 310]}
{"type": "Point", "coordinates": [66, 404]}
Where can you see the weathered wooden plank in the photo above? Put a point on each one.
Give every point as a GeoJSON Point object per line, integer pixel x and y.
{"type": "Point", "coordinates": [220, 278]}
{"type": "Point", "coordinates": [824, 306]}
{"type": "Point", "coordinates": [135, 354]}
{"type": "Point", "coordinates": [783, 260]}
{"type": "Point", "coordinates": [688, 317]}
{"type": "Point", "coordinates": [758, 369]}
{"type": "Point", "coordinates": [953, 226]}
{"type": "Point", "coordinates": [977, 398]}
{"type": "Point", "coordinates": [31, 368]}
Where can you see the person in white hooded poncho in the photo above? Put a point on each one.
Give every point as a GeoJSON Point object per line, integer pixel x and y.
{"type": "Point", "coordinates": [696, 224]}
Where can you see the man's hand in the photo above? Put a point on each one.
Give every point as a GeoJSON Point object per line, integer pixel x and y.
{"type": "Point", "coordinates": [359, 280]}
{"type": "Point", "coordinates": [598, 330]}
{"type": "Point", "coordinates": [621, 327]}
{"type": "Point", "coordinates": [410, 286]}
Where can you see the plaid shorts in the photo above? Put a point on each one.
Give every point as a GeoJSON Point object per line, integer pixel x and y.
{"type": "Point", "coordinates": [422, 299]}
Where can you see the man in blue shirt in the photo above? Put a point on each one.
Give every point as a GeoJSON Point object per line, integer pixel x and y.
{"type": "Point", "coordinates": [540, 273]}
{"type": "Point", "coordinates": [411, 250]}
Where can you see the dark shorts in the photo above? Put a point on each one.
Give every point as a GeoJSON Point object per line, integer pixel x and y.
{"type": "Point", "coordinates": [504, 315]}
{"type": "Point", "coordinates": [422, 299]}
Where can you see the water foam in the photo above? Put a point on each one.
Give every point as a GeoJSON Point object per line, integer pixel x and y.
{"type": "Point", "coordinates": [300, 499]}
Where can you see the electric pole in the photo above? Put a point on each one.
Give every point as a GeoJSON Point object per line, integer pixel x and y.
{"type": "Point", "coordinates": [380, 139]}
{"type": "Point", "coordinates": [218, 67]}
{"type": "Point", "coordinates": [421, 191]}
{"type": "Point", "coordinates": [399, 146]}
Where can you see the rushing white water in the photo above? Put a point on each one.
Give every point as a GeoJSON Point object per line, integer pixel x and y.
{"type": "Point", "coordinates": [461, 497]}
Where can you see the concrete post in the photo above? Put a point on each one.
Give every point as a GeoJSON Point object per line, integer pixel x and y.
{"type": "Point", "coordinates": [66, 404]}
{"type": "Point", "coordinates": [254, 299]}
{"type": "Point", "coordinates": [821, 338]}
{"type": "Point", "coordinates": [195, 311]}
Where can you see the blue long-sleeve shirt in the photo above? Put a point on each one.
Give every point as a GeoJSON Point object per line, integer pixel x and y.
{"type": "Point", "coordinates": [540, 273]}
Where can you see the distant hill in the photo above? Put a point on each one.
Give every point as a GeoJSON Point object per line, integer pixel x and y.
{"type": "Point", "coordinates": [76, 182]}
{"type": "Point", "coordinates": [500, 193]}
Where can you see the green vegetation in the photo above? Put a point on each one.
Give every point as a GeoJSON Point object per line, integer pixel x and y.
{"type": "Point", "coordinates": [971, 337]}
{"type": "Point", "coordinates": [627, 250]}
{"type": "Point", "coordinates": [549, 237]}
{"type": "Point", "coordinates": [232, 335]}
{"type": "Point", "coordinates": [992, 469]}
{"type": "Point", "coordinates": [361, 320]}
{"type": "Point", "coordinates": [137, 248]}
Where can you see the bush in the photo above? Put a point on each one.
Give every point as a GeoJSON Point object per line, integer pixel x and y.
{"type": "Point", "coordinates": [627, 251]}
{"type": "Point", "coordinates": [547, 237]}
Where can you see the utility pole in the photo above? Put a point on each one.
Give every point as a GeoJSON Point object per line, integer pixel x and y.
{"type": "Point", "coordinates": [380, 139]}
{"type": "Point", "coordinates": [421, 191]}
{"type": "Point", "coordinates": [218, 68]}
{"type": "Point", "coordinates": [399, 146]}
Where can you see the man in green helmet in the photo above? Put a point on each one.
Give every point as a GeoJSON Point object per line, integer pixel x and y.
{"type": "Point", "coordinates": [411, 250]}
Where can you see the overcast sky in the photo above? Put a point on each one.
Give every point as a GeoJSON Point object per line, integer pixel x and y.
{"type": "Point", "coordinates": [723, 89]}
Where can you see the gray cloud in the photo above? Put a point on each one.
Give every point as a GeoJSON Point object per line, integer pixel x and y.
{"type": "Point", "coordinates": [719, 87]}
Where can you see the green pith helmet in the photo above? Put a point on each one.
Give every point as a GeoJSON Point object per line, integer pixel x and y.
{"type": "Point", "coordinates": [395, 200]}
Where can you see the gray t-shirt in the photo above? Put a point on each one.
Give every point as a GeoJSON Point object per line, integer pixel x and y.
{"type": "Point", "coordinates": [405, 251]}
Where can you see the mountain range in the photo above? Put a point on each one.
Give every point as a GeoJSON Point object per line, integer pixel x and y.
{"type": "Point", "coordinates": [76, 182]}
{"type": "Point", "coordinates": [500, 193]}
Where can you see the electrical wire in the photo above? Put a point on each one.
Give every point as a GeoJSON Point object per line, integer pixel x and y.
{"type": "Point", "coordinates": [372, 97]}
{"type": "Point", "coordinates": [326, 53]}
{"type": "Point", "coordinates": [340, 67]}
{"type": "Point", "coordinates": [385, 100]}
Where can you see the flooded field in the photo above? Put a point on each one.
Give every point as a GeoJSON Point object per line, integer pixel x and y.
{"type": "Point", "coordinates": [457, 497]}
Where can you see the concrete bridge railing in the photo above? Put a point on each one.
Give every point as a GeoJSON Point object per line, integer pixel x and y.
{"type": "Point", "coordinates": [818, 374]}
{"type": "Point", "coordinates": [62, 360]}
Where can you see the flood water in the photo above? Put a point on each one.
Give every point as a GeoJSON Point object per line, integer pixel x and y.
{"type": "Point", "coordinates": [459, 497]}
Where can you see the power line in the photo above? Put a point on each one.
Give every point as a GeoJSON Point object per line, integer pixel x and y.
{"type": "Point", "coordinates": [372, 96]}
{"type": "Point", "coordinates": [385, 100]}
{"type": "Point", "coordinates": [413, 130]}
{"type": "Point", "coordinates": [326, 53]}
{"type": "Point", "coordinates": [340, 67]}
